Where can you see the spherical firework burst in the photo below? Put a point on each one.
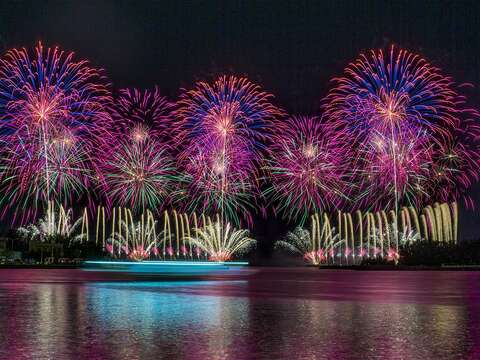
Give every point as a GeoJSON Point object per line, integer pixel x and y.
{"type": "Point", "coordinates": [136, 166]}
{"type": "Point", "coordinates": [395, 97]}
{"type": "Point", "coordinates": [50, 106]}
{"type": "Point", "coordinates": [398, 89]}
{"type": "Point", "coordinates": [307, 166]}
{"type": "Point", "coordinates": [222, 129]}
{"type": "Point", "coordinates": [139, 174]}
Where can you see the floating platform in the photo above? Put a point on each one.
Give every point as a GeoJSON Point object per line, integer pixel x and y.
{"type": "Point", "coordinates": [166, 268]}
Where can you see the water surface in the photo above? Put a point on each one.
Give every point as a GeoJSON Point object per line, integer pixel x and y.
{"type": "Point", "coordinates": [276, 313]}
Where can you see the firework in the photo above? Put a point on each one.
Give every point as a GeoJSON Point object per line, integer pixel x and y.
{"type": "Point", "coordinates": [223, 129]}
{"type": "Point", "coordinates": [456, 163]}
{"type": "Point", "coordinates": [147, 112]}
{"type": "Point", "coordinates": [421, 121]}
{"type": "Point", "coordinates": [24, 170]}
{"type": "Point", "coordinates": [302, 242]}
{"type": "Point", "coordinates": [219, 181]}
{"type": "Point", "coordinates": [398, 89]}
{"type": "Point", "coordinates": [136, 165]}
{"type": "Point", "coordinates": [408, 167]}
{"type": "Point", "coordinates": [51, 107]}
{"type": "Point", "coordinates": [369, 234]}
{"type": "Point", "coordinates": [307, 166]}
{"type": "Point", "coordinates": [222, 242]}
{"type": "Point", "coordinates": [139, 175]}
{"type": "Point", "coordinates": [56, 226]}
{"type": "Point", "coordinates": [137, 240]}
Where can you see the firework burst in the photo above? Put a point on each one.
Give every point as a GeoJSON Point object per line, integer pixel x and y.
{"type": "Point", "coordinates": [400, 100]}
{"type": "Point", "coordinates": [223, 129]}
{"type": "Point", "coordinates": [397, 89]}
{"type": "Point", "coordinates": [142, 113]}
{"type": "Point", "coordinates": [51, 106]}
{"type": "Point", "coordinates": [307, 168]}
{"type": "Point", "coordinates": [136, 166]}
{"type": "Point", "coordinates": [408, 167]}
{"type": "Point", "coordinates": [222, 242]}
{"type": "Point", "coordinates": [457, 163]}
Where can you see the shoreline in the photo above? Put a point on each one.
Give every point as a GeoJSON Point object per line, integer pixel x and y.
{"type": "Point", "coordinates": [403, 267]}
{"type": "Point", "coordinates": [324, 267]}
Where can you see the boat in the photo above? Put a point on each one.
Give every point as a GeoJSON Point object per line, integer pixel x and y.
{"type": "Point", "coordinates": [166, 268]}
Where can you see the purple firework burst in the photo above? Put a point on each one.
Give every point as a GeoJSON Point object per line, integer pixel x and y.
{"type": "Point", "coordinates": [52, 108]}
{"type": "Point", "coordinates": [135, 164]}
{"type": "Point", "coordinates": [307, 167]}
{"type": "Point", "coordinates": [223, 128]}
{"type": "Point", "coordinates": [418, 115]}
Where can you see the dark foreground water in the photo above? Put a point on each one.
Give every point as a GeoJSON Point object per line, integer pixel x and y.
{"type": "Point", "coordinates": [273, 314]}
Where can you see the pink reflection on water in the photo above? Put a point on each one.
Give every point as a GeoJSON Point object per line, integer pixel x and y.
{"type": "Point", "coordinates": [274, 314]}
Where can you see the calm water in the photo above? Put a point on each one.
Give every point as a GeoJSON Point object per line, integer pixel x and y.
{"type": "Point", "coordinates": [273, 314]}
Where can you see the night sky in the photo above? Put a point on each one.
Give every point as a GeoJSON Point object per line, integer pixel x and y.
{"type": "Point", "coordinates": [290, 48]}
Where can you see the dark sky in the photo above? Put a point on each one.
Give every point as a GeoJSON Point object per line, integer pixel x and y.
{"type": "Point", "coordinates": [291, 48]}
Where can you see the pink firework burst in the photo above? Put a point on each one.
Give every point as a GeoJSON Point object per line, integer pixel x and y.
{"type": "Point", "coordinates": [223, 128]}
{"type": "Point", "coordinates": [136, 165]}
{"type": "Point", "coordinates": [398, 89]}
{"type": "Point", "coordinates": [52, 108]}
{"type": "Point", "coordinates": [421, 118]}
{"type": "Point", "coordinates": [148, 110]}
{"type": "Point", "coordinates": [307, 168]}
{"type": "Point", "coordinates": [457, 162]}
{"type": "Point", "coordinates": [404, 161]}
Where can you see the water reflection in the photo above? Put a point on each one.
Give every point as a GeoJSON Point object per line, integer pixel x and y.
{"type": "Point", "coordinates": [166, 317]}
{"type": "Point", "coordinates": [277, 314]}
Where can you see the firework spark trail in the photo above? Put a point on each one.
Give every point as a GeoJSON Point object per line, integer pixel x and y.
{"type": "Point", "coordinates": [47, 97]}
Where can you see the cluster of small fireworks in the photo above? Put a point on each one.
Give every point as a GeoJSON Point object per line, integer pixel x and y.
{"type": "Point", "coordinates": [303, 242]}
{"type": "Point", "coordinates": [176, 236]}
{"type": "Point", "coordinates": [56, 225]}
{"type": "Point", "coordinates": [395, 132]}
{"type": "Point", "coordinates": [371, 234]}
{"type": "Point", "coordinates": [222, 242]}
